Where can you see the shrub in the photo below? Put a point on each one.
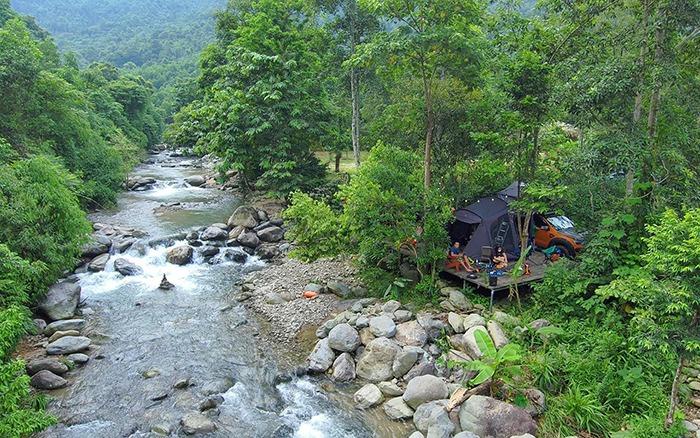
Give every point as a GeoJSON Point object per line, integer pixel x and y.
{"type": "Point", "coordinates": [21, 414]}
{"type": "Point", "coordinates": [314, 227]}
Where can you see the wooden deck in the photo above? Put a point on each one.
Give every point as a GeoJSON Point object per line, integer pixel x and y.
{"type": "Point", "coordinates": [537, 269]}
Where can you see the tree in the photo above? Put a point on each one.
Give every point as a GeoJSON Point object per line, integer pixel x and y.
{"type": "Point", "coordinates": [432, 40]}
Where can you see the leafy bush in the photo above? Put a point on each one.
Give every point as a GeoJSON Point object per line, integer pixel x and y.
{"type": "Point", "coordinates": [314, 227]}
{"type": "Point", "coordinates": [21, 413]}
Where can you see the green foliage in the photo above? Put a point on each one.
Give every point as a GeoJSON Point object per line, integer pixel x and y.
{"type": "Point", "coordinates": [19, 413]}
{"type": "Point", "coordinates": [314, 227]}
{"type": "Point", "coordinates": [500, 365]}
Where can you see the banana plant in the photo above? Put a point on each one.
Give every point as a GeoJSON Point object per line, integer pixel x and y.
{"type": "Point", "coordinates": [495, 365]}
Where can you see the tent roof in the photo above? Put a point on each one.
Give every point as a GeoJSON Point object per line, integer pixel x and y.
{"type": "Point", "coordinates": [512, 192]}
{"type": "Point", "coordinates": [482, 209]}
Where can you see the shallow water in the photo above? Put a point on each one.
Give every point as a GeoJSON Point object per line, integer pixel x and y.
{"type": "Point", "coordinates": [192, 332]}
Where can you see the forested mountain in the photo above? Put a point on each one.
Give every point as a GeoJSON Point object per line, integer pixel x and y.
{"type": "Point", "coordinates": [160, 40]}
{"type": "Point", "coordinates": [68, 137]}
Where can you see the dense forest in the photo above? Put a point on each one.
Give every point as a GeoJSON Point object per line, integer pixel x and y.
{"type": "Point", "coordinates": [594, 105]}
{"type": "Point", "coordinates": [160, 41]}
{"type": "Point", "coordinates": [68, 138]}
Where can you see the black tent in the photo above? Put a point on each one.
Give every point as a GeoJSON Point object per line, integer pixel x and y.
{"type": "Point", "coordinates": [487, 222]}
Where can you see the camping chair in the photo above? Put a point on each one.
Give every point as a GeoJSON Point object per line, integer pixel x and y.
{"type": "Point", "coordinates": [484, 261]}
{"type": "Point", "coordinates": [454, 262]}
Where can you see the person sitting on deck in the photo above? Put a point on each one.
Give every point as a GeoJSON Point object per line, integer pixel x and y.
{"type": "Point", "coordinates": [456, 253]}
{"type": "Point", "coordinates": [500, 259]}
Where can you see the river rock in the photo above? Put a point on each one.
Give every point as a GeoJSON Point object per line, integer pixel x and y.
{"type": "Point", "coordinates": [402, 316]}
{"type": "Point", "coordinates": [469, 341]}
{"type": "Point", "coordinates": [218, 386]}
{"type": "Point", "coordinates": [340, 289]}
{"type": "Point", "coordinates": [390, 388]}
{"type": "Point", "coordinates": [211, 402]}
{"type": "Point", "coordinates": [505, 319]}
{"type": "Point", "coordinates": [68, 345]}
{"type": "Point", "coordinates": [267, 251]}
{"type": "Point", "coordinates": [195, 180]}
{"type": "Point", "coordinates": [472, 435]}
{"type": "Point", "coordinates": [243, 216]}
{"type": "Point", "coordinates": [431, 415]}
{"type": "Point", "coordinates": [248, 239]}
{"type": "Point", "coordinates": [64, 325]}
{"type": "Point", "coordinates": [126, 268]}
{"type": "Point", "coordinates": [45, 379]}
{"type": "Point", "coordinates": [97, 245]}
{"type": "Point", "coordinates": [60, 334]}
{"type": "Point", "coordinates": [486, 416]}
{"type": "Point", "coordinates": [78, 358]}
{"type": "Point", "coordinates": [366, 336]}
{"type": "Point", "coordinates": [180, 255]}
{"type": "Point", "coordinates": [213, 233]}
{"type": "Point", "coordinates": [411, 333]}
{"type": "Point", "coordinates": [423, 389]}
{"type": "Point", "coordinates": [140, 182]}
{"type": "Point", "coordinates": [40, 325]}
{"type": "Point", "coordinates": [61, 301]}
{"type": "Point", "coordinates": [195, 422]}
{"type": "Point", "coordinates": [98, 263]}
{"type": "Point", "coordinates": [321, 358]}
{"type": "Point", "coordinates": [433, 327]}
{"type": "Point", "coordinates": [344, 368]}
{"type": "Point", "coordinates": [375, 364]}
{"type": "Point", "coordinates": [343, 338]}
{"type": "Point", "coordinates": [497, 334]}
{"type": "Point", "coordinates": [473, 320]}
{"type": "Point", "coordinates": [461, 302]}
{"type": "Point", "coordinates": [368, 396]}
{"type": "Point", "coordinates": [456, 322]}
{"type": "Point", "coordinates": [397, 409]}
{"type": "Point", "coordinates": [361, 322]}
{"type": "Point", "coordinates": [47, 364]}
{"type": "Point", "coordinates": [391, 306]}
{"type": "Point", "coordinates": [209, 251]}
{"type": "Point", "coordinates": [235, 232]}
{"type": "Point", "coordinates": [403, 362]}
{"type": "Point", "coordinates": [382, 326]}
{"type": "Point", "coordinates": [271, 234]}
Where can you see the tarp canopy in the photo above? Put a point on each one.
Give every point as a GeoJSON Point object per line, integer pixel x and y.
{"type": "Point", "coordinates": [512, 192]}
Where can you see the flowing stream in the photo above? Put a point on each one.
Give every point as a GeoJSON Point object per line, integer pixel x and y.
{"type": "Point", "coordinates": [193, 332]}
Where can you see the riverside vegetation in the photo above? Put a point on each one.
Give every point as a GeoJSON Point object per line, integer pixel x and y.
{"type": "Point", "coordinates": [593, 104]}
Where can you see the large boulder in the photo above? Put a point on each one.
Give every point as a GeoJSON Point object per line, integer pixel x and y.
{"type": "Point", "coordinates": [376, 362]}
{"type": "Point", "coordinates": [98, 263]}
{"type": "Point", "coordinates": [249, 239]}
{"type": "Point", "coordinates": [411, 333]}
{"type": "Point", "coordinates": [64, 325]}
{"type": "Point", "coordinates": [213, 233]}
{"type": "Point", "coordinates": [397, 409]}
{"type": "Point", "coordinates": [456, 322]}
{"type": "Point", "coordinates": [460, 302]}
{"type": "Point", "coordinates": [195, 180]}
{"type": "Point", "coordinates": [473, 320]}
{"type": "Point", "coordinates": [382, 326]}
{"type": "Point", "coordinates": [344, 368]}
{"type": "Point", "coordinates": [340, 289]}
{"type": "Point", "coordinates": [61, 300]}
{"type": "Point", "coordinates": [47, 364]}
{"type": "Point", "coordinates": [368, 396]}
{"type": "Point", "coordinates": [267, 251]}
{"type": "Point", "coordinates": [126, 268]}
{"type": "Point", "coordinates": [243, 216]}
{"type": "Point", "coordinates": [486, 416]}
{"type": "Point", "coordinates": [45, 379]}
{"type": "Point", "coordinates": [423, 389]}
{"type": "Point", "coordinates": [343, 338]}
{"type": "Point", "coordinates": [68, 345]}
{"type": "Point", "coordinates": [97, 245]}
{"type": "Point", "coordinates": [321, 358]}
{"type": "Point", "coordinates": [271, 234]}
{"type": "Point", "coordinates": [180, 255]}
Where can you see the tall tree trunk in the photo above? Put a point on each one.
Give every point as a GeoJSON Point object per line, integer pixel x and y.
{"type": "Point", "coordinates": [659, 42]}
{"type": "Point", "coordinates": [354, 83]}
{"type": "Point", "coordinates": [637, 111]}
{"type": "Point", "coordinates": [338, 157]}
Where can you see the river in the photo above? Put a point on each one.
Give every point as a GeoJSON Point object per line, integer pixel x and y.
{"type": "Point", "coordinates": [193, 332]}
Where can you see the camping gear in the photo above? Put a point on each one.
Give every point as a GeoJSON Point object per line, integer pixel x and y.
{"type": "Point", "coordinates": [486, 255]}
{"type": "Point", "coordinates": [485, 223]}
{"type": "Point", "coordinates": [493, 279]}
